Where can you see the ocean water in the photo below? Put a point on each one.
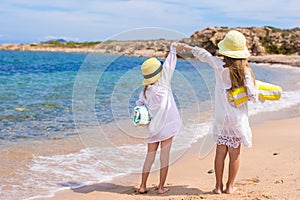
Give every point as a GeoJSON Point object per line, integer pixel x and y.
{"type": "Point", "coordinates": [46, 96]}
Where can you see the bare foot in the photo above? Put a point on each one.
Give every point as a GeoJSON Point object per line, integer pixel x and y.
{"type": "Point", "coordinates": [142, 190]}
{"type": "Point", "coordinates": [230, 190]}
{"type": "Point", "coordinates": [162, 191]}
{"type": "Point", "coordinates": [217, 191]}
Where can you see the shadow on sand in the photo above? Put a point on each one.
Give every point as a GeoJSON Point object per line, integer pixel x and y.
{"type": "Point", "coordinates": [130, 190]}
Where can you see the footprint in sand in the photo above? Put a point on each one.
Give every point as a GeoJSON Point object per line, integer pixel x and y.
{"type": "Point", "coordinates": [249, 181]}
{"type": "Point", "coordinates": [277, 181]}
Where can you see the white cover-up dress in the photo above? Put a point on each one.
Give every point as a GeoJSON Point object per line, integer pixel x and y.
{"type": "Point", "coordinates": [231, 124]}
{"type": "Point", "coordinates": [165, 118]}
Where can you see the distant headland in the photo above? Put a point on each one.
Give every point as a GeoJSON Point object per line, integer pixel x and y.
{"type": "Point", "coordinates": [266, 44]}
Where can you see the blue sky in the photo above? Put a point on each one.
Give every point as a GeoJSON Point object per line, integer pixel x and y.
{"type": "Point", "coordinates": [99, 20]}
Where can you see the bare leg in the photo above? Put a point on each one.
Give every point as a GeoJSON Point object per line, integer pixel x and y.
{"type": "Point", "coordinates": [152, 148]}
{"type": "Point", "coordinates": [234, 163]}
{"type": "Point", "coordinates": [164, 164]}
{"type": "Point", "coordinates": [221, 152]}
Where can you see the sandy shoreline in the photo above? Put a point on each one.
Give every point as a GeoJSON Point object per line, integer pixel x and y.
{"type": "Point", "coordinates": [292, 60]}
{"type": "Point", "coordinates": [269, 170]}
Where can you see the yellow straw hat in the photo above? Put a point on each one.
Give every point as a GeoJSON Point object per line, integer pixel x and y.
{"type": "Point", "coordinates": [234, 45]}
{"type": "Point", "coordinates": [151, 70]}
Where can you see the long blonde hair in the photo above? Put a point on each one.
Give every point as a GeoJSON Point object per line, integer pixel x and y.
{"type": "Point", "coordinates": [237, 70]}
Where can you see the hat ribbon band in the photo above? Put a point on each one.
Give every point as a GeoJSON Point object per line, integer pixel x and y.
{"type": "Point", "coordinates": [154, 73]}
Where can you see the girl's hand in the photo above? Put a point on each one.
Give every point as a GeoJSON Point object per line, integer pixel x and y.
{"type": "Point", "coordinates": [174, 44]}
{"type": "Point", "coordinates": [181, 47]}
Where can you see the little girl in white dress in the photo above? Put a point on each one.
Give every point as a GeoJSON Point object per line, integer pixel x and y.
{"type": "Point", "coordinates": [165, 119]}
{"type": "Point", "coordinates": [231, 123]}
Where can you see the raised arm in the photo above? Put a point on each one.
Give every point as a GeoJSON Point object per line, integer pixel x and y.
{"type": "Point", "coordinates": [169, 66]}
{"type": "Point", "coordinates": [201, 54]}
{"type": "Point", "coordinates": [183, 48]}
{"type": "Point", "coordinates": [205, 56]}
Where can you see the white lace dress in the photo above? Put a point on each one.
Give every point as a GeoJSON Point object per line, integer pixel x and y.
{"type": "Point", "coordinates": [231, 124]}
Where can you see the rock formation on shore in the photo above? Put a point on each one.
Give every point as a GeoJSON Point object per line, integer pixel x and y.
{"type": "Point", "coordinates": [260, 42]}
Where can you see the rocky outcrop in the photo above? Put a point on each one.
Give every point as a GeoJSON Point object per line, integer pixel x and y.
{"type": "Point", "coordinates": [146, 48]}
{"type": "Point", "coordinates": [260, 41]}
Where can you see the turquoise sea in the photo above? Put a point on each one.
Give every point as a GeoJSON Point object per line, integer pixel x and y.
{"type": "Point", "coordinates": [50, 95]}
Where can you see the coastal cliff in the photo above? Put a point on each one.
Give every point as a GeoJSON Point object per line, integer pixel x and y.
{"type": "Point", "coordinates": [260, 41]}
{"type": "Point", "coordinates": [263, 43]}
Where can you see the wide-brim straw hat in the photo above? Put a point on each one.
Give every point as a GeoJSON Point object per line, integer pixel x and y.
{"type": "Point", "coordinates": [234, 45]}
{"type": "Point", "coordinates": [151, 70]}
